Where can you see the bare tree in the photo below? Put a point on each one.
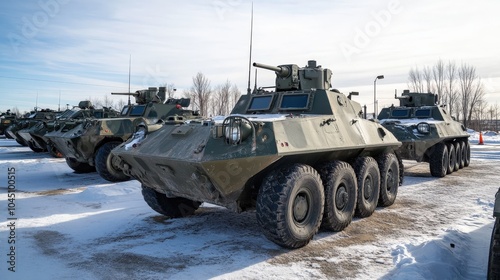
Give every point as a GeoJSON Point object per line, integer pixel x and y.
{"type": "Point", "coordinates": [427, 76]}
{"type": "Point", "coordinates": [471, 91]}
{"type": "Point", "coordinates": [221, 96]}
{"type": "Point", "coordinates": [119, 105]}
{"type": "Point", "coordinates": [235, 95]}
{"type": "Point", "coordinates": [439, 77]}
{"type": "Point", "coordinates": [451, 95]}
{"type": "Point", "coordinates": [415, 82]}
{"type": "Point", "coordinates": [200, 93]}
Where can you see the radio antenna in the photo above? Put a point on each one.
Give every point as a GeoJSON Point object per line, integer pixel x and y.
{"type": "Point", "coordinates": [250, 57]}
{"type": "Point", "coordinates": [129, 66]}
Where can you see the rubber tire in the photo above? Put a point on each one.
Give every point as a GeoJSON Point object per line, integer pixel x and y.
{"type": "Point", "coordinates": [388, 165]}
{"type": "Point", "coordinates": [461, 164]}
{"type": "Point", "coordinates": [172, 207]}
{"type": "Point", "coordinates": [458, 155]}
{"type": "Point", "coordinates": [467, 153]}
{"type": "Point", "coordinates": [341, 190]}
{"type": "Point", "coordinates": [35, 149]}
{"type": "Point", "coordinates": [275, 205]}
{"type": "Point", "coordinates": [494, 253]}
{"type": "Point", "coordinates": [103, 164]}
{"type": "Point", "coordinates": [452, 158]}
{"type": "Point", "coordinates": [79, 167]}
{"type": "Point", "coordinates": [438, 163]}
{"type": "Point", "coordinates": [366, 168]}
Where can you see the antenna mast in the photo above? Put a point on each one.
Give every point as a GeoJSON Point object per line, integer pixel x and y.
{"type": "Point", "coordinates": [129, 67]}
{"type": "Point", "coordinates": [59, 106]}
{"type": "Point", "coordinates": [250, 58]}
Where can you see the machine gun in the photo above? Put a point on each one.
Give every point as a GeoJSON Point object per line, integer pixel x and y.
{"type": "Point", "coordinates": [145, 96]}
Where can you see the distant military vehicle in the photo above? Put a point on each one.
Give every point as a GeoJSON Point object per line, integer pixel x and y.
{"type": "Point", "coordinates": [494, 254]}
{"type": "Point", "coordinates": [86, 144]}
{"type": "Point", "coordinates": [35, 136]}
{"type": "Point", "coordinates": [6, 120]}
{"type": "Point", "coordinates": [31, 120]}
{"type": "Point", "coordinates": [428, 133]}
{"type": "Point", "coordinates": [302, 155]}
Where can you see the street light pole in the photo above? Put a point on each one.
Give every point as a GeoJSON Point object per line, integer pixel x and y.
{"type": "Point", "coordinates": [375, 95]}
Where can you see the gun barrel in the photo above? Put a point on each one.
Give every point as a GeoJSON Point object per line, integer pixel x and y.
{"type": "Point", "coordinates": [281, 71]}
{"type": "Point", "coordinates": [125, 93]}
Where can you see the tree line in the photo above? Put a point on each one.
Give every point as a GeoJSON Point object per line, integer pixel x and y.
{"type": "Point", "coordinates": [460, 88]}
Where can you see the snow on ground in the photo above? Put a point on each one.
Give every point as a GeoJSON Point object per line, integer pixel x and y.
{"type": "Point", "coordinates": [80, 226]}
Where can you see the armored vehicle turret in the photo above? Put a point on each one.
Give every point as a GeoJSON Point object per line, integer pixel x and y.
{"type": "Point", "coordinates": [301, 155]}
{"type": "Point", "coordinates": [428, 133]}
{"type": "Point", "coordinates": [86, 144]}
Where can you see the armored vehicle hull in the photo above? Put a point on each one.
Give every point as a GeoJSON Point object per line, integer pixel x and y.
{"type": "Point", "coordinates": [292, 154]}
{"type": "Point", "coordinates": [87, 144]}
{"type": "Point", "coordinates": [428, 133]}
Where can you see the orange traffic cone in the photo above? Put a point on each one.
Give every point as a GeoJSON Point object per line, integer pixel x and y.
{"type": "Point", "coordinates": [481, 142]}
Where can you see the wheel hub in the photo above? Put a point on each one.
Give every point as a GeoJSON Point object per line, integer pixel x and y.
{"type": "Point", "coordinates": [368, 187]}
{"type": "Point", "coordinates": [341, 197]}
{"type": "Point", "coordinates": [390, 179]}
{"type": "Point", "coordinates": [300, 207]}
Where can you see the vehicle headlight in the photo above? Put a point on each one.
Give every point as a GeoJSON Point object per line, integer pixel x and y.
{"type": "Point", "coordinates": [236, 129]}
{"type": "Point", "coordinates": [423, 128]}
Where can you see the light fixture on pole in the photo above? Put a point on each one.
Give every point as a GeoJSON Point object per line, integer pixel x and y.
{"type": "Point", "coordinates": [380, 77]}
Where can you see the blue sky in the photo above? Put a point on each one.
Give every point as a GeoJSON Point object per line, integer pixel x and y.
{"type": "Point", "coordinates": [80, 49]}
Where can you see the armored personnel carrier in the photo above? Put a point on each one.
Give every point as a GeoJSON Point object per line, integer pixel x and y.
{"type": "Point", "coordinates": [35, 136]}
{"type": "Point", "coordinates": [6, 120]}
{"type": "Point", "coordinates": [494, 253]}
{"type": "Point", "coordinates": [86, 144]}
{"type": "Point", "coordinates": [428, 133]}
{"type": "Point", "coordinates": [31, 120]}
{"type": "Point", "coordinates": [302, 155]}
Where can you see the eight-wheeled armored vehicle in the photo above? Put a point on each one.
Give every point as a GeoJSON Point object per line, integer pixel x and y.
{"type": "Point", "coordinates": [35, 136]}
{"type": "Point", "coordinates": [86, 144]}
{"type": "Point", "coordinates": [301, 155]}
{"type": "Point", "coordinates": [428, 133]}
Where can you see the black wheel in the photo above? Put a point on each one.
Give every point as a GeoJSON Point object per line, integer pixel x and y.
{"type": "Point", "coordinates": [106, 166]}
{"type": "Point", "coordinates": [290, 205]}
{"type": "Point", "coordinates": [467, 153]}
{"type": "Point", "coordinates": [458, 155]}
{"type": "Point", "coordinates": [452, 158]}
{"type": "Point", "coordinates": [35, 149]}
{"type": "Point", "coordinates": [439, 160]}
{"type": "Point", "coordinates": [79, 167]}
{"type": "Point", "coordinates": [494, 255]}
{"type": "Point", "coordinates": [173, 207]}
{"type": "Point", "coordinates": [388, 165]}
{"type": "Point", "coordinates": [339, 181]}
{"type": "Point", "coordinates": [368, 178]}
{"type": "Point", "coordinates": [461, 163]}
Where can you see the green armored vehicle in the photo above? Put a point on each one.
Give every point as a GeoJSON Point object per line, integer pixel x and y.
{"type": "Point", "coordinates": [30, 121]}
{"type": "Point", "coordinates": [301, 155]}
{"type": "Point", "coordinates": [35, 136]}
{"type": "Point", "coordinates": [494, 253]}
{"type": "Point", "coordinates": [428, 133]}
{"type": "Point", "coordinates": [86, 144]}
{"type": "Point", "coordinates": [6, 120]}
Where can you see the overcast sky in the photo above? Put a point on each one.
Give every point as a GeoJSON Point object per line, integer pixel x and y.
{"type": "Point", "coordinates": [81, 49]}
